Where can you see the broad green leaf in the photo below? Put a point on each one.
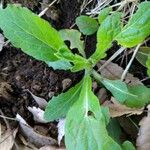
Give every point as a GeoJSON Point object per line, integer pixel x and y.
{"type": "Point", "coordinates": [114, 130]}
{"type": "Point", "coordinates": [74, 37]}
{"type": "Point", "coordinates": [140, 95]}
{"type": "Point", "coordinates": [27, 31]}
{"type": "Point", "coordinates": [60, 64]}
{"type": "Point", "coordinates": [142, 55]}
{"type": "Point", "coordinates": [59, 106]}
{"type": "Point", "coordinates": [87, 25]}
{"type": "Point", "coordinates": [107, 31]}
{"type": "Point", "coordinates": [128, 146]}
{"type": "Point", "coordinates": [138, 27]}
{"type": "Point", "coordinates": [79, 62]}
{"type": "Point", "coordinates": [118, 89]}
{"type": "Point", "coordinates": [103, 14]}
{"type": "Point", "coordinates": [85, 127]}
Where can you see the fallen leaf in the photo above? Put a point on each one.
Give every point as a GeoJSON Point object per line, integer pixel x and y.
{"type": "Point", "coordinates": [33, 137]}
{"type": "Point", "coordinates": [38, 114]}
{"type": "Point", "coordinates": [51, 148]}
{"type": "Point", "coordinates": [143, 140]}
{"type": "Point", "coordinates": [1, 42]}
{"type": "Point", "coordinates": [40, 101]}
{"type": "Point", "coordinates": [7, 139]}
{"type": "Point", "coordinates": [61, 129]}
{"type": "Point", "coordinates": [116, 109]}
{"type": "Point", "coordinates": [114, 71]}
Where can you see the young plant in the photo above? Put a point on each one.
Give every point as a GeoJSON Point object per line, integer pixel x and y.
{"type": "Point", "coordinates": [86, 120]}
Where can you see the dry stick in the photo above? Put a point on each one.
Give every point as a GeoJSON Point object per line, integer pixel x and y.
{"type": "Point", "coordinates": [8, 127]}
{"type": "Point", "coordinates": [130, 62]}
{"type": "Point", "coordinates": [46, 9]}
{"type": "Point", "coordinates": [112, 58]}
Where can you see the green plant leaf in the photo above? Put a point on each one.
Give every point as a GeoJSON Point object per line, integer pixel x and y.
{"type": "Point", "coordinates": [107, 31]}
{"type": "Point", "coordinates": [114, 130]}
{"type": "Point", "coordinates": [138, 27]}
{"type": "Point", "coordinates": [58, 106]}
{"type": "Point", "coordinates": [74, 37]}
{"type": "Point", "coordinates": [103, 14]}
{"type": "Point", "coordinates": [85, 127]}
{"type": "Point", "coordinates": [140, 95]}
{"type": "Point", "coordinates": [79, 62]}
{"type": "Point", "coordinates": [60, 64]}
{"type": "Point", "coordinates": [29, 32]}
{"type": "Point", "coordinates": [87, 25]}
{"type": "Point", "coordinates": [142, 55]}
{"type": "Point", "coordinates": [118, 89]}
{"type": "Point", "coordinates": [128, 146]}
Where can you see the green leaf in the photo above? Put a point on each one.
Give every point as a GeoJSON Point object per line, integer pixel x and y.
{"type": "Point", "coordinates": [85, 127]}
{"type": "Point", "coordinates": [87, 25]}
{"type": "Point", "coordinates": [103, 14]}
{"type": "Point", "coordinates": [108, 30]}
{"type": "Point", "coordinates": [140, 95]}
{"type": "Point", "coordinates": [114, 130]}
{"type": "Point", "coordinates": [128, 146]}
{"type": "Point", "coordinates": [29, 32]}
{"type": "Point", "coordinates": [58, 106]}
{"type": "Point", "coordinates": [142, 55]}
{"type": "Point", "coordinates": [60, 64]}
{"type": "Point", "coordinates": [79, 62]}
{"type": "Point", "coordinates": [118, 89]}
{"type": "Point", "coordinates": [148, 65]}
{"type": "Point", "coordinates": [74, 36]}
{"type": "Point", "coordinates": [138, 27]}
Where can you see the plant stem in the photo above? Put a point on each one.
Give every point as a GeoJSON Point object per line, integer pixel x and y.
{"type": "Point", "coordinates": [96, 76]}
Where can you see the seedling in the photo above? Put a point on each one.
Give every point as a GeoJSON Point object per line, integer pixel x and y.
{"type": "Point", "coordinates": [86, 120]}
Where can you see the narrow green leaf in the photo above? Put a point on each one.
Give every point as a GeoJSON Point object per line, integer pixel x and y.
{"type": "Point", "coordinates": [128, 146]}
{"type": "Point", "coordinates": [148, 65]}
{"type": "Point", "coordinates": [87, 25]}
{"type": "Point", "coordinates": [138, 27]}
{"type": "Point", "coordinates": [114, 130]}
{"type": "Point", "coordinates": [29, 32]}
{"type": "Point", "coordinates": [140, 95]}
{"type": "Point", "coordinates": [85, 124]}
{"type": "Point", "coordinates": [103, 14]}
{"type": "Point", "coordinates": [118, 89]}
{"type": "Point", "coordinates": [58, 106]}
{"type": "Point", "coordinates": [74, 37]}
{"type": "Point", "coordinates": [142, 55]}
{"type": "Point", "coordinates": [60, 64]}
{"type": "Point", "coordinates": [107, 31]}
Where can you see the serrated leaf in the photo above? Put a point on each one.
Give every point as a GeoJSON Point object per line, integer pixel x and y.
{"type": "Point", "coordinates": [128, 146]}
{"type": "Point", "coordinates": [138, 27]}
{"type": "Point", "coordinates": [107, 31]}
{"type": "Point", "coordinates": [60, 65]}
{"type": "Point", "coordinates": [103, 14]}
{"type": "Point", "coordinates": [141, 96]}
{"type": "Point", "coordinates": [85, 124]}
{"type": "Point", "coordinates": [142, 55]}
{"type": "Point", "coordinates": [59, 106]}
{"type": "Point", "coordinates": [118, 89]}
{"type": "Point", "coordinates": [33, 35]}
{"type": "Point", "coordinates": [86, 24]}
{"type": "Point", "coordinates": [74, 36]}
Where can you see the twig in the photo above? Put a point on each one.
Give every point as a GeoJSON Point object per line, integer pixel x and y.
{"type": "Point", "coordinates": [112, 58]}
{"type": "Point", "coordinates": [130, 62]}
{"type": "Point", "coordinates": [46, 9]}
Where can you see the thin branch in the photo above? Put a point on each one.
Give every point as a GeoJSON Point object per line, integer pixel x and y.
{"type": "Point", "coordinates": [130, 62]}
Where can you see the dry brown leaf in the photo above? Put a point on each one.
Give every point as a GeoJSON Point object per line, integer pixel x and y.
{"type": "Point", "coordinates": [32, 136]}
{"type": "Point", "coordinates": [116, 109]}
{"type": "Point", "coordinates": [7, 139]}
{"type": "Point", "coordinates": [143, 140]}
{"type": "Point", "coordinates": [51, 148]}
{"type": "Point", "coordinates": [114, 71]}
{"type": "Point", "coordinates": [1, 42]}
